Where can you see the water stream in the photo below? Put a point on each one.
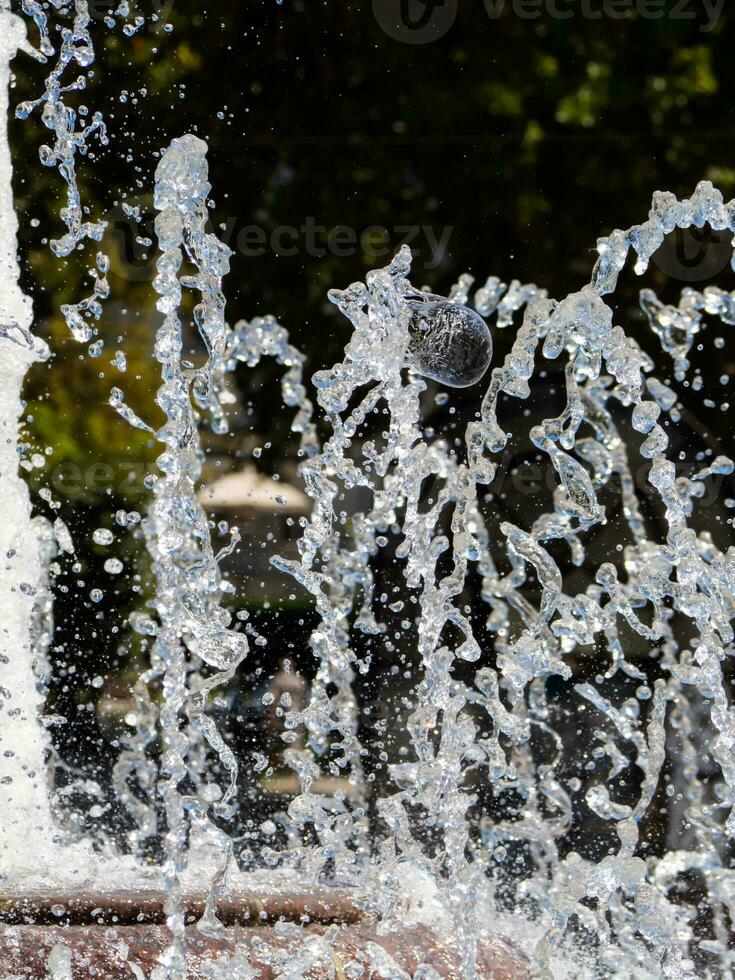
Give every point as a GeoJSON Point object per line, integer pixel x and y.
{"type": "Point", "coordinates": [517, 639]}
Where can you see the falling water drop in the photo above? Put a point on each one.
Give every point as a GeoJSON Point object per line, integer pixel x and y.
{"type": "Point", "coordinates": [448, 342]}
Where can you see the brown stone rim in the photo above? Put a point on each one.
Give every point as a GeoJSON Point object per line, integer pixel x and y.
{"type": "Point", "coordinates": [92, 926]}
{"type": "Point", "coordinates": [128, 908]}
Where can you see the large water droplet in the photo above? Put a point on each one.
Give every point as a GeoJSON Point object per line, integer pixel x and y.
{"type": "Point", "coordinates": [449, 342]}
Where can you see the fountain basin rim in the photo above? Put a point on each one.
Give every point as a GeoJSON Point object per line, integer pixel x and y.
{"type": "Point", "coordinates": [100, 951]}
{"type": "Point", "coordinates": [122, 907]}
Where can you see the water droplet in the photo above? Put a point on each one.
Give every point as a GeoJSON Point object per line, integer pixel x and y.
{"type": "Point", "coordinates": [449, 343]}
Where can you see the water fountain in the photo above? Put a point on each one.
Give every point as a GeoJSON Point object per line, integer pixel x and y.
{"type": "Point", "coordinates": [415, 857]}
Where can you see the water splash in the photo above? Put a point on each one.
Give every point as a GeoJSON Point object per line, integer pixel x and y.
{"type": "Point", "coordinates": [449, 342]}
{"type": "Point", "coordinates": [335, 571]}
{"type": "Point", "coordinates": [682, 577]}
{"type": "Point", "coordinates": [248, 343]}
{"type": "Point", "coordinates": [484, 719]}
{"type": "Point", "coordinates": [24, 541]}
{"type": "Point", "coordinates": [194, 645]}
{"type": "Point", "coordinates": [71, 138]}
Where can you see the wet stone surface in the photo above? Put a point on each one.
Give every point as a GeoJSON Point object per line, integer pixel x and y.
{"type": "Point", "coordinates": [133, 951]}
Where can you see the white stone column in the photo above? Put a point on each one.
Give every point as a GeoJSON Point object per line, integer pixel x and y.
{"type": "Point", "coordinates": [26, 826]}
